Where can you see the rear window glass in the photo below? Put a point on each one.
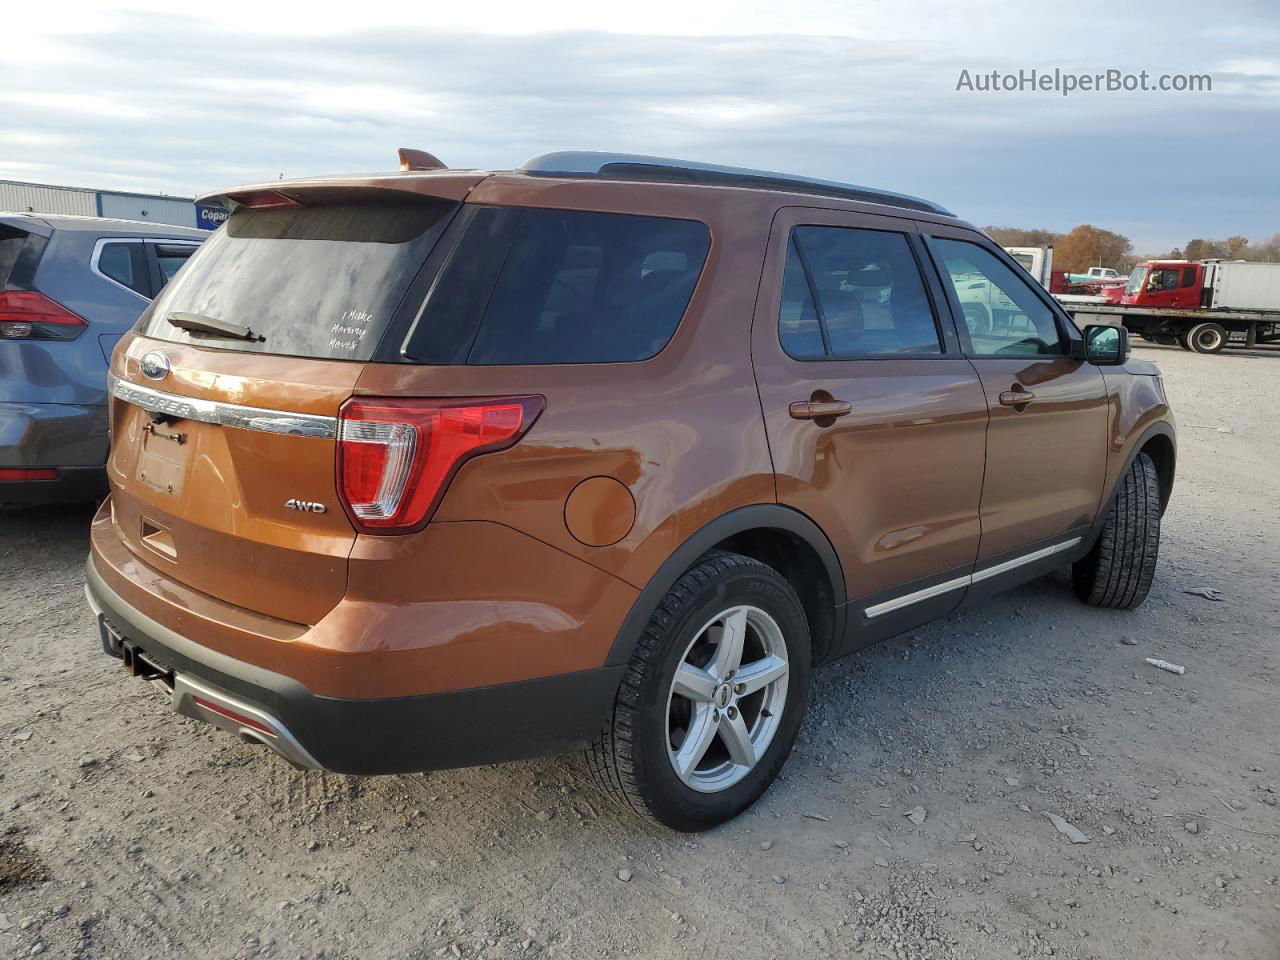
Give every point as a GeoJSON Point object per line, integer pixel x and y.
{"type": "Point", "coordinates": [321, 280]}
{"type": "Point", "coordinates": [12, 242]}
{"type": "Point", "coordinates": [560, 286]}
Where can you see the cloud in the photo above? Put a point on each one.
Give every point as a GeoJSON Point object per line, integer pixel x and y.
{"type": "Point", "coordinates": [149, 100]}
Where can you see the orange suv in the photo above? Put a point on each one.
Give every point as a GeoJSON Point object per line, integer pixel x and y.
{"type": "Point", "coordinates": [447, 467]}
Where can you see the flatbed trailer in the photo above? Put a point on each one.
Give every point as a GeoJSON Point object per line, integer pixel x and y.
{"type": "Point", "coordinates": [1202, 331]}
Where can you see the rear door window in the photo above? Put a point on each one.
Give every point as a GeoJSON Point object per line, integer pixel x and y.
{"type": "Point", "coordinates": [561, 287]}
{"type": "Point", "coordinates": [168, 258]}
{"type": "Point", "coordinates": [852, 292]}
{"type": "Point", "coordinates": [320, 280]}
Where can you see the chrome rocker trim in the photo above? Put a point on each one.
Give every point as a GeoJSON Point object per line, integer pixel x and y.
{"type": "Point", "coordinates": [928, 593]}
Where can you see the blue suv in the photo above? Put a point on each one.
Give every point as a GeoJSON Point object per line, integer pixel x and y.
{"type": "Point", "coordinates": [70, 287]}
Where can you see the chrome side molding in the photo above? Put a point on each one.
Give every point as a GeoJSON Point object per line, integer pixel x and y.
{"type": "Point", "coordinates": [918, 596]}
{"type": "Point", "coordinates": [986, 573]}
{"type": "Point", "coordinates": [225, 414]}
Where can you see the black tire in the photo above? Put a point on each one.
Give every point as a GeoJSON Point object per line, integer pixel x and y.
{"type": "Point", "coordinates": [630, 760]}
{"type": "Point", "coordinates": [1207, 338]}
{"type": "Point", "coordinates": [1182, 341]}
{"type": "Point", "coordinates": [1118, 571]}
{"type": "Point", "coordinates": [1166, 339]}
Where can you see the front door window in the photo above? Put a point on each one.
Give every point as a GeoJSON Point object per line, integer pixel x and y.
{"type": "Point", "coordinates": [1004, 315]}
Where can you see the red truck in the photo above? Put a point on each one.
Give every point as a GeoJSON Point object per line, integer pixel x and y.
{"type": "Point", "coordinates": [1200, 305]}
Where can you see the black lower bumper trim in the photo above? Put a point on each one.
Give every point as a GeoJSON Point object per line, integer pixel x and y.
{"type": "Point", "coordinates": [393, 735]}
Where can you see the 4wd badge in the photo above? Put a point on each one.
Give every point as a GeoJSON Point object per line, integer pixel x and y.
{"type": "Point", "coordinates": [306, 506]}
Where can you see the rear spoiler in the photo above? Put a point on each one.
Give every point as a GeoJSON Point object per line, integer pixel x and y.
{"type": "Point", "coordinates": [445, 184]}
{"type": "Point", "coordinates": [28, 223]}
{"type": "Point", "coordinates": [420, 173]}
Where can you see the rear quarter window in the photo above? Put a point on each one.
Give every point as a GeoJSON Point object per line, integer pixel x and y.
{"type": "Point", "coordinates": [561, 287]}
{"type": "Point", "coordinates": [123, 262]}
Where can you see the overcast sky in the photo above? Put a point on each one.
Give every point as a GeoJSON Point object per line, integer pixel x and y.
{"type": "Point", "coordinates": [138, 97]}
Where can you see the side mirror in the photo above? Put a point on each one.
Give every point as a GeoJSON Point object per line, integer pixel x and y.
{"type": "Point", "coordinates": [1105, 345]}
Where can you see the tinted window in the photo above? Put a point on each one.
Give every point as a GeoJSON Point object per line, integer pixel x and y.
{"type": "Point", "coordinates": [1004, 315]}
{"type": "Point", "coordinates": [171, 256]}
{"type": "Point", "coordinates": [798, 326]}
{"type": "Point", "coordinates": [579, 287]}
{"type": "Point", "coordinates": [116, 261]}
{"type": "Point", "coordinates": [11, 243]}
{"type": "Point", "coordinates": [854, 293]}
{"type": "Point", "coordinates": [321, 280]}
{"type": "Point", "coordinates": [1188, 276]}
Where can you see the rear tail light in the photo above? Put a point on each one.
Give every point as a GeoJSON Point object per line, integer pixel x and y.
{"type": "Point", "coordinates": [27, 474]}
{"type": "Point", "coordinates": [28, 315]}
{"type": "Point", "coordinates": [396, 457]}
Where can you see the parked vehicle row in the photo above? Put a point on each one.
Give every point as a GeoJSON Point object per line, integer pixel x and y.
{"type": "Point", "coordinates": [447, 467]}
{"type": "Point", "coordinates": [1197, 305]}
{"type": "Point", "coordinates": [1201, 306]}
{"type": "Point", "coordinates": [70, 287]}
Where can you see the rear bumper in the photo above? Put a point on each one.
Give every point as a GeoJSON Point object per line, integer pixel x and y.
{"type": "Point", "coordinates": [360, 736]}
{"type": "Point", "coordinates": [71, 438]}
{"type": "Point", "coordinates": [53, 435]}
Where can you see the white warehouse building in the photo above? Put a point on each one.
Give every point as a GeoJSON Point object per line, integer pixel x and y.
{"type": "Point", "coordinates": [18, 197]}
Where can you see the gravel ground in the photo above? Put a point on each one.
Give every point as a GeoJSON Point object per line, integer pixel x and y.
{"type": "Point", "coordinates": [126, 831]}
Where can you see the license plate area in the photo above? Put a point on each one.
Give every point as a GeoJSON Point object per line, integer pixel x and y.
{"type": "Point", "coordinates": [162, 457]}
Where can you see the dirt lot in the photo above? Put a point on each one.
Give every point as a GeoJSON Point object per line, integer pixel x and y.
{"type": "Point", "coordinates": [126, 831]}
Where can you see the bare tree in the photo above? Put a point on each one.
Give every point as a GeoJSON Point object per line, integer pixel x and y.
{"type": "Point", "coordinates": [1089, 246]}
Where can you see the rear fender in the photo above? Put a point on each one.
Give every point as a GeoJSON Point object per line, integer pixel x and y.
{"type": "Point", "coordinates": [766, 516]}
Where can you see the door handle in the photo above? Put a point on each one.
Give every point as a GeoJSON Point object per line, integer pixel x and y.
{"type": "Point", "coordinates": [817, 409]}
{"type": "Point", "coordinates": [1016, 398]}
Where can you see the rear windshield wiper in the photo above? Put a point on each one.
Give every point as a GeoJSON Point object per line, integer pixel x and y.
{"type": "Point", "coordinates": [196, 323]}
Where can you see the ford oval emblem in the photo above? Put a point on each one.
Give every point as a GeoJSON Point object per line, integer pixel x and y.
{"type": "Point", "coordinates": [155, 365]}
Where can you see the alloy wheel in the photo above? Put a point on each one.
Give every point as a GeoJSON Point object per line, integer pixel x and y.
{"type": "Point", "coordinates": [726, 699]}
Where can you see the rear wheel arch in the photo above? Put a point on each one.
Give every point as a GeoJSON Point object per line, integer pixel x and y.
{"type": "Point", "coordinates": [777, 536]}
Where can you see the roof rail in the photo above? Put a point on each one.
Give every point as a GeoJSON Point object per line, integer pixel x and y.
{"type": "Point", "coordinates": [626, 166]}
